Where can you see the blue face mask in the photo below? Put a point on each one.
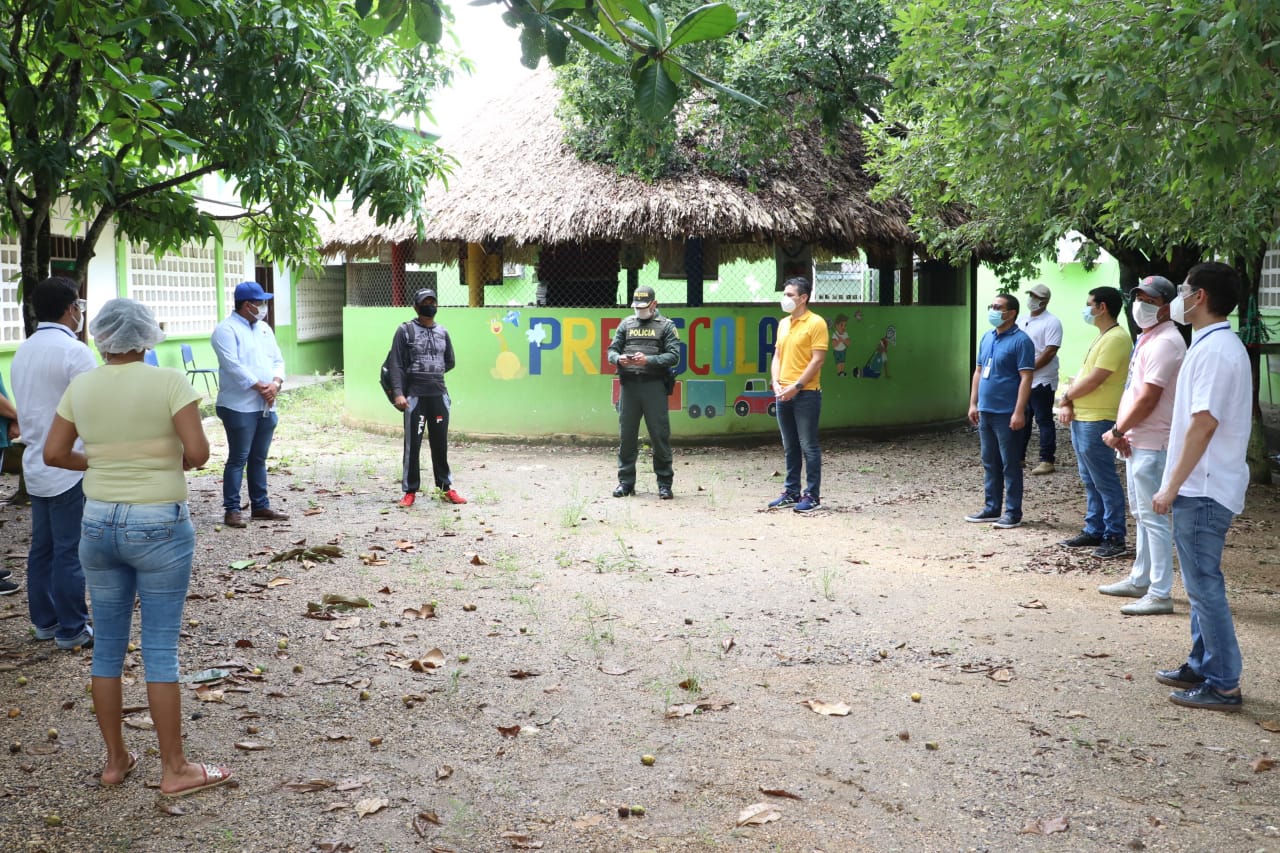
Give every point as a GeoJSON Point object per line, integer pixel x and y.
{"type": "Point", "coordinates": [995, 317]}
{"type": "Point", "coordinates": [1088, 316]}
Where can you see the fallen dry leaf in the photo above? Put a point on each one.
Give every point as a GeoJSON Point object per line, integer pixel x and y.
{"type": "Point", "coordinates": [778, 792]}
{"type": "Point", "coordinates": [369, 806]}
{"type": "Point", "coordinates": [727, 644]}
{"type": "Point", "coordinates": [433, 659]}
{"type": "Point", "coordinates": [684, 709]}
{"type": "Point", "coordinates": [334, 807]}
{"type": "Point", "coordinates": [251, 745]}
{"type": "Point", "coordinates": [508, 731]}
{"type": "Point", "coordinates": [827, 709]}
{"type": "Point", "coordinates": [519, 674]}
{"type": "Point", "coordinates": [1034, 604]}
{"type": "Point", "coordinates": [169, 807]}
{"type": "Point", "coordinates": [139, 721]}
{"type": "Point", "coordinates": [279, 581]}
{"type": "Point", "coordinates": [426, 611]}
{"type": "Point", "coordinates": [521, 840]}
{"type": "Point", "coordinates": [1270, 725]}
{"type": "Point", "coordinates": [423, 821]}
{"type": "Point", "coordinates": [477, 560]}
{"type": "Point", "coordinates": [307, 786]}
{"type": "Point", "coordinates": [757, 814]}
{"type": "Point", "coordinates": [204, 694]}
{"type": "Point", "coordinates": [444, 771]}
{"type": "Point", "coordinates": [1046, 825]}
{"type": "Point", "coordinates": [1002, 675]}
{"type": "Point", "coordinates": [1262, 764]}
{"type": "Point", "coordinates": [609, 669]}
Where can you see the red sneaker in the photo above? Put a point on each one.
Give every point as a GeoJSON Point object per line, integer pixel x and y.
{"type": "Point", "coordinates": [454, 498]}
{"type": "Point", "coordinates": [408, 499]}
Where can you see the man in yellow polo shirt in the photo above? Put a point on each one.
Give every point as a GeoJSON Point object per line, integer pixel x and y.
{"type": "Point", "coordinates": [1090, 405]}
{"type": "Point", "coordinates": [797, 366]}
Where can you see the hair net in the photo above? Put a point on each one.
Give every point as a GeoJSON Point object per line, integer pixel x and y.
{"type": "Point", "coordinates": [125, 325]}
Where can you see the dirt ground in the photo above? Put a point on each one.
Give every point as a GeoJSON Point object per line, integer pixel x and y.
{"type": "Point", "coordinates": [574, 633]}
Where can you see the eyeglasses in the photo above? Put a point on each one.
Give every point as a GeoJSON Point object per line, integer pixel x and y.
{"type": "Point", "coordinates": [1185, 290]}
{"type": "Point", "coordinates": [82, 305]}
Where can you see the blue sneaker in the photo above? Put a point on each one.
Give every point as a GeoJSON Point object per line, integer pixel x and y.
{"type": "Point", "coordinates": [808, 503]}
{"type": "Point", "coordinates": [784, 499]}
{"type": "Point", "coordinates": [1204, 696]}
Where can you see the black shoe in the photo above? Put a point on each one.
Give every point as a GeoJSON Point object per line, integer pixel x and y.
{"type": "Point", "coordinates": [1184, 677]}
{"type": "Point", "coordinates": [1084, 540]}
{"type": "Point", "coordinates": [9, 587]}
{"type": "Point", "coordinates": [665, 493]}
{"type": "Point", "coordinates": [982, 516]}
{"type": "Point", "coordinates": [624, 490]}
{"type": "Point", "coordinates": [1207, 698]}
{"type": "Point", "coordinates": [1109, 549]}
{"type": "Point", "coordinates": [4, 573]}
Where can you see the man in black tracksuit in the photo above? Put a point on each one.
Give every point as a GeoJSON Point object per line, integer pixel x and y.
{"type": "Point", "coordinates": [645, 349]}
{"type": "Point", "coordinates": [423, 354]}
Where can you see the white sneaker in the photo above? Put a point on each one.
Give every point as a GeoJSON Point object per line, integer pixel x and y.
{"type": "Point", "coordinates": [1148, 605]}
{"type": "Point", "coordinates": [1124, 589]}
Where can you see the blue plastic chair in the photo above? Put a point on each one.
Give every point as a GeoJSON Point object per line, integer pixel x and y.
{"type": "Point", "coordinates": [189, 362]}
{"type": "Point", "coordinates": [151, 359]}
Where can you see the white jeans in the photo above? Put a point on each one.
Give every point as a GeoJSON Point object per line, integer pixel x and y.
{"type": "Point", "coordinates": [1153, 564]}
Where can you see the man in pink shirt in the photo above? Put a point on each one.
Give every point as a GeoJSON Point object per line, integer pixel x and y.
{"type": "Point", "coordinates": [1141, 436]}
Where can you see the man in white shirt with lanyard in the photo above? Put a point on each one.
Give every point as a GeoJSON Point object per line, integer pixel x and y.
{"type": "Point", "coordinates": [1141, 436]}
{"type": "Point", "coordinates": [43, 367]}
{"type": "Point", "coordinates": [1045, 331]}
{"type": "Point", "coordinates": [1205, 482]}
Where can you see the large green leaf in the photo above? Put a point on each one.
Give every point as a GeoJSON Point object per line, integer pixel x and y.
{"type": "Point", "coordinates": [723, 89]}
{"type": "Point", "coordinates": [656, 93]}
{"type": "Point", "coordinates": [594, 44]}
{"type": "Point", "coordinates": [426, 21]}
{"type": "Point", "coordinates": [712, 21]}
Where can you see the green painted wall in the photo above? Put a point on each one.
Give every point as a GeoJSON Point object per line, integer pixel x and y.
{"type": "Point", "coordinates": [559, 382]}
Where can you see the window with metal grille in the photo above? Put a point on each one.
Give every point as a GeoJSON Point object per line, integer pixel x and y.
{"type": "Point", "coordinates": [320, 294]}
{"type": "Point", "coordinates": [1269, 289]}
{"type": "Point", "coordinates": [10, 308]}
{"type": "Point", "coordinates": [180, 288]}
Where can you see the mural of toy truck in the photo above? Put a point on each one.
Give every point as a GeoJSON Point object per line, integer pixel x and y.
{"type": "Point", "coordinates": [705, 396]}
{"type": "Point", "coordinates": [756, 398]}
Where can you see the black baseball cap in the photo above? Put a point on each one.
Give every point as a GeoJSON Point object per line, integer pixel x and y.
{"type": "Point", "coordinates": [643, 296]}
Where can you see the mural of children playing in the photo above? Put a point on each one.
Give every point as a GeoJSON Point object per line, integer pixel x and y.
{"type": "Point", "coordinates": [878, 364]}
{"type": "Point", "coordinates": [840, 343]}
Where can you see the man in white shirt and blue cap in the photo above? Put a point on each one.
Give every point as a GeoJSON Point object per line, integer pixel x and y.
{"type": "Point", "coordinates": [250, 375]}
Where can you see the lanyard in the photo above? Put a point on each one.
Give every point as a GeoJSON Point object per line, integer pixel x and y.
{"type": "Point", "coordinates": [1207, 334]}
{"type": "Point", "coordinates": [58, 327]}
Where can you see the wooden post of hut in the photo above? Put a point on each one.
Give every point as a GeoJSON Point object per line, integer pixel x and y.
{"type": "Point", "coordinates": [693, 272]}
{"type": "Point", "coordinates": [474, 272]}
{"type": "Point", "coordinates": [399, 252]}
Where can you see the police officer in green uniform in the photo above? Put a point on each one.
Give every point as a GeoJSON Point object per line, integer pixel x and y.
{"type": "Point", "coordinates": [645, 349]}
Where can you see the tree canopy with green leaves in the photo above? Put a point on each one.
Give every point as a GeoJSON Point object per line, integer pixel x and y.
{"type": "Point", "coordinates": [818, 64]}
{"type": "Point", "coordinates": [1150, 128]}
{"type": "Point", "coordinates": [119, 108]}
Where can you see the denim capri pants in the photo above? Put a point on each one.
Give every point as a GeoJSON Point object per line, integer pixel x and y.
{"type": "Point", "coordinates": [142, 551]}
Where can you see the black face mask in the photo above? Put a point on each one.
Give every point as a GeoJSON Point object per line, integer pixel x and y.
{"type": "Point", "coordinates": [427, 310]}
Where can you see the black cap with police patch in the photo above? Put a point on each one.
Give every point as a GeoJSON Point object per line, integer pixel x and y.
{"type": "Point", "coordinates": [642, 297]}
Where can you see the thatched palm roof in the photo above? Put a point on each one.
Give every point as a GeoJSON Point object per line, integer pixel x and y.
{"type": "Point", "coordinates": [517, 180]}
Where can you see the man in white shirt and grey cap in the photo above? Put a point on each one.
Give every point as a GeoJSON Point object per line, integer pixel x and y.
{"type": "Point", "coordinates": [1045, 331]}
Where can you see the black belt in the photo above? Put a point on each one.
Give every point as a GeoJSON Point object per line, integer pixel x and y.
{"type": "Point", "coordinates": [641, 377]}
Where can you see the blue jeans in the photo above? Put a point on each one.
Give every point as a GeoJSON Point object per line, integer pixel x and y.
{"type": "Point", "coordinates": [248, 443]}
{"type": "Point", "coordinates": [1040, 412]}
{"type": "Point", "coordinates": [143, 550]}
{"type": "Point", "coordinates": [1001, 465]}
{"type": "Point", "coordinates": [798, 423]}
{"type": "Point", "coordinates": [55, 580]}
{"type": "Point", "coordinates": [1200, 531]}
{"type": "Point", "coordinates": [1103, 494]}
{"type": "Point", "coordinates": [1153, 563]}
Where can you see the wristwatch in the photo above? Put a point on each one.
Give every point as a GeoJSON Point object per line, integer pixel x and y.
{"type": "Point", "coordinates": [1116, 433]}
{"type": "Point", "coordinates": [799, 386]}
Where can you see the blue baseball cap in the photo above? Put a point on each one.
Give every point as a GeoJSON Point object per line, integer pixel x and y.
{"type": "Point", "coordinates": [251, 291]}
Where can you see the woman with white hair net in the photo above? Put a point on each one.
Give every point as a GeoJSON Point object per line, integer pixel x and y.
{"type": "Point", "coordinates": [141, 429]}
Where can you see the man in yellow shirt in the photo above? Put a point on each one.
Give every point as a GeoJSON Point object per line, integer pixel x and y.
{"type": "Point", "coordinates": [797, 366]}
{"type": "Point", "coordinates": [1090, 405]}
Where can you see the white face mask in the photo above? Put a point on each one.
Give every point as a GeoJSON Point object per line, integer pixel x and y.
{"type": "Point", "coordinates": [1144, 314]}
{"type": "Point", "coordinates": [1034, 304]}
{"type": "Point", "coordinates": [644, 313]}
{"type": "Point", "coordinates": [788, 304]}
{"type": "Point", "coordinates": [260, 313]}
{"type": "Point", "coordinates": [80, 325]}
{"type": "Point", "coordinates": [1178, 309]}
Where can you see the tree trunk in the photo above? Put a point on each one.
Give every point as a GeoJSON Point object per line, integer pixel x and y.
{"type": "Point", "coordinates": [1250, 272]}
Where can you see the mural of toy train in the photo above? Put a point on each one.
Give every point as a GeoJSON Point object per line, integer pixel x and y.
{"type": "Point", "coordinates": [708, 398]}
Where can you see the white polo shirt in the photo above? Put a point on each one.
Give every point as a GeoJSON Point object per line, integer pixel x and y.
{"type": "Point", "coordinates": [1045, 331]}
{"type": "Point", "coordinates": [43, 367]}
{"type": "Point", "coordinates": [1215, 378]}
